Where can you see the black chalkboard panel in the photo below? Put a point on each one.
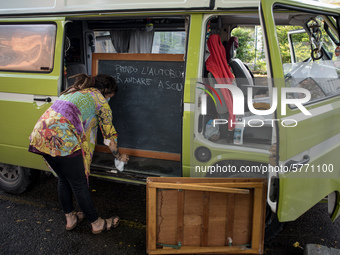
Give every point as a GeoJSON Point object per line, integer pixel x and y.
{"type": "Point", "coordinates": [147, 110]}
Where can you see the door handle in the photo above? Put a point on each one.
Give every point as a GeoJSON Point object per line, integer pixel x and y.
{"type": "Point", "coordinates": [298, 164]}
{"type": "Point", "coordinates": [46, 99]}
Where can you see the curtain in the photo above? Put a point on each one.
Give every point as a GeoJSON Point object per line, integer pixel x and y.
{"type": "Point", "coordinates": [120, 40]}
{"type": "Point", "coordinates": [132, 41]}
{"type": "Point", "coordinates": [141, 41]}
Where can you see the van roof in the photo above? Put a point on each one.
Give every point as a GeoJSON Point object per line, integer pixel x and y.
{"type": "Point", "coordinates": [38, 7]}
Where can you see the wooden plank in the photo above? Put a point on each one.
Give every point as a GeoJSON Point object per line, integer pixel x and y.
{"type": "Point", "coordinates": [257, 222]}
{"type": "Point", "coordinates": [142, 153]}
{"type": "Point", "coordinates": [151, 219]}
{"type": "Point", "coordinates": [235, 185]}
{"type": "Point", "coordinates": [197, 187]}
{"type": "Point", "coordinates": [166, 228]}
{"type": "Point", "coordinates": [180, 215]}
{"type": "Point", "coordinates": [230, 218]}
{"type": "Point", "coordinates": [217, 218]}
{"type": "Point", "coordinates": [263, 219]}
{"type": "Point", "coordinates": [243, 219]}
{"type": "Point", "coordinates": [206, 250]}
{"type": "Point", "coordinates": [198, 180]}
{"type": "Point", "coordinates": [138, 57]}
{"type": "Point", "coordinates": [205, 219]}
{"type": "Point", "coordinates": [193, 210]}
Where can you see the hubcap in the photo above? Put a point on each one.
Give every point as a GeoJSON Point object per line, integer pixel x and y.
{"type": "Point", "coordinates": [9, 173]}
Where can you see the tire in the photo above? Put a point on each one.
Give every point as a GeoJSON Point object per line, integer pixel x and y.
{"type": "Point", "coordinates": [272, 226]}
{"type": "Point", "coordinates": [17, 179]}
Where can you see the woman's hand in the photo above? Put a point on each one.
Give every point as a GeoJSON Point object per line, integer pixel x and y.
{"type": "Point", "coordinates": [123, 157]}
{"type": "Point", "coordinates": [114, 149]}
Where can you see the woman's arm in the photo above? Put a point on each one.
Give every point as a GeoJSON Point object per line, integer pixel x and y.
{"type": "Point", "coordinates": [109, 132]}
{"type": "Point", "coordinates": [115, 151]}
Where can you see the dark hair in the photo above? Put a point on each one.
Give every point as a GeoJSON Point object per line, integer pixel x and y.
{"type": "Point", "coordinates": [106, 84]}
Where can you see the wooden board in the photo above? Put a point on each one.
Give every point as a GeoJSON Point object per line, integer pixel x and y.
{"type": "Point", "coordinates": [205, 215]}
{"type": "Point", "coordinates": [147, 109]}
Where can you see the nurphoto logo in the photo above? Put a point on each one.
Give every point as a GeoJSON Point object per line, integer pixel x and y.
{"type": "Point", "coordinates": [238, 104]}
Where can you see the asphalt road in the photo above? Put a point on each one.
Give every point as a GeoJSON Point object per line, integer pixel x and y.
{"type": "Point", "coordinates": [32, 223]}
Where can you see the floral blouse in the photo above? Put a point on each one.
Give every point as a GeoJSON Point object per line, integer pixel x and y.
{"type": "Point", "coordinates": [71, 124]}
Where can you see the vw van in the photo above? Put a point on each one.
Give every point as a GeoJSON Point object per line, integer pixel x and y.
{"type": "Point", "coordinates": [173, 115]}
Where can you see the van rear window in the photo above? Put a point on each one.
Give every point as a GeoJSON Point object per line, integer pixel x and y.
{"type": "Point", "coordinates": [27, 47]}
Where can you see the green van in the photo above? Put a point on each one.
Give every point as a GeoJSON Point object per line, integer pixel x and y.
{"type": "Point", "coordinates": [172, 113]}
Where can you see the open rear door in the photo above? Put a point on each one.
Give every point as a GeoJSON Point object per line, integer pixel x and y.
{"type": "Point", "coordinates": [308, 139]}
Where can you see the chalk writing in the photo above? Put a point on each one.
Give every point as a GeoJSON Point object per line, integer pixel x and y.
{"type": "Point", "coordinates": [125, 69]}
{"type": "Point", "coordinates": [138, 81]}
{"type": "Point", "coordinates": [165, 76]}
{"type": "Point", "coordinates": [160, 71]}
{"type": "Point", "coordinates": [170, 86]}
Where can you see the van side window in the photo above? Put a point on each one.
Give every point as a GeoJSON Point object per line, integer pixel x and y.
{"type": "Point", "coordinates": [310, 60]}
{"type": "Point", "coordinates": [251, 49]}
{"type": "Point", "coordinates": [169, 42]}
{"type": "Point", "coordinates": [27, 47]}
{"type": "Point", "coordinates": [165, 42]}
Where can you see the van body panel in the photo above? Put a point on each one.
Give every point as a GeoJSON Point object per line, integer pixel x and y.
{"type": "Point", "coordinates": [188, 123]}
{"type": "Point", "coordinates": [59, 6]}
{"type": "Point", "coordinates": [222, 155]}
{"type": "Point", "coordinates": [192, 63]}
{"type": "Point", "coordinates": [14, 139]}
{"type": "Point", "coordinates": [316, 137]}
{"type": "Point", "coordinates": [19, 156]}
{"type": "Point", "coordinates": [225, 4]}
{"type": "Point", "coordinates": [320, 123]}
{"type": "Point", "coordinates": [35, 84]}
{"type": "Point", "coordinates": [19, 95]}
{"type": "Point", "coordinates": [193, 56]}
{"type": "Point", "coordinates": [302, 190]}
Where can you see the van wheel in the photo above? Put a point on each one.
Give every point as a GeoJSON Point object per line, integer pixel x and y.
{"type": "Point", "coordinates": [272, 225]}
{"type": "Point", "coordinates": [16, 179]}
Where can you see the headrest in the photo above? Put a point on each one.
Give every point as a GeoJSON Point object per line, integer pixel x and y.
{"type": "Point", "coordinates": [231, 47]}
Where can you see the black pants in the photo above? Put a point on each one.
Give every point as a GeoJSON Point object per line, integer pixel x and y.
{"type": "Point", "coordinates": [72, 179]}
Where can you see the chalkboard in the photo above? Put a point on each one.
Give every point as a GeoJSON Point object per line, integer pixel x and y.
{"type": "Point", "coordinates": [147, 109]}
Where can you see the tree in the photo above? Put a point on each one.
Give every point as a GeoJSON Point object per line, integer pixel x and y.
{"type": "Point", "coordinates": [246, 49]}
{"type": "Point", "coordinates": [301, 50]}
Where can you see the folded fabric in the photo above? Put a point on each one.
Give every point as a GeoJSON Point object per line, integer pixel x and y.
{"type": "Point", "coordinates": [217, 64]}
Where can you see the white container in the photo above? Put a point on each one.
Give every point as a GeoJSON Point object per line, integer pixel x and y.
{"type": "Point", "coordinates": [238, 134]}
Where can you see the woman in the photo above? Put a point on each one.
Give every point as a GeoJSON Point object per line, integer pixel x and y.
{"type": "Point", "coordinates": [66, 135]}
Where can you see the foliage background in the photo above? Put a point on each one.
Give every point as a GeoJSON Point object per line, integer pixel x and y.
{"type": "Point", "coordinates": [251, 49]}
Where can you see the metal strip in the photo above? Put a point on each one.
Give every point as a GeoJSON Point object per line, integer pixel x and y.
{"type": "Point", "coordinates": [189, 107]}
{"type": "Point", "coordinates": [29, 98]}
{"type": "Point", "coordinates": [315, 112]}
